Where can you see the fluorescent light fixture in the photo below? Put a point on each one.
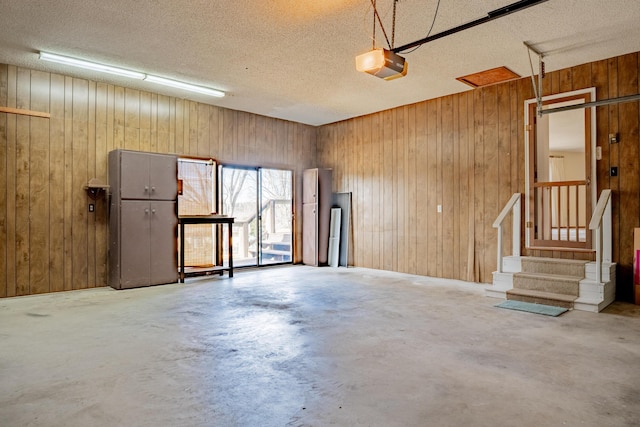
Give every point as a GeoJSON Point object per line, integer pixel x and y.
{"type": "Point", "coordinates": [382, 63]}
{"type": "Point", "coordinates": [128, 73]}
{"type": "Point", "coordinates": [185, 86]}
{"type": "Point", "coordinates": [91, 65]}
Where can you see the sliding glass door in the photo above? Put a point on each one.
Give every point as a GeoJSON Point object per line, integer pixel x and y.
{"type": "Point", "coordinates": [276, 216]}
{"type": "Point", "coordinates": [239, 189]}
{"type": "Point", "coordinates": [261, 202]}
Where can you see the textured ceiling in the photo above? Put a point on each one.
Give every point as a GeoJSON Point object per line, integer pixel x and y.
{"type": "Point", "coordinates": [294, 59]}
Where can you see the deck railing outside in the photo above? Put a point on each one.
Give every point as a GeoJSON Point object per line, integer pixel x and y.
{"type": "Point", "coordinates": [247, 234]}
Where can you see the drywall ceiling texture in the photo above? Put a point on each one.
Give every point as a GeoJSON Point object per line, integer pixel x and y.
{"type": "Point", "coordinates": [294, 59]}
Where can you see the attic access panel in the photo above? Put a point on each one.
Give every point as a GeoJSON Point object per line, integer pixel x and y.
{"type": "Point", "coordinates": [489, 77]}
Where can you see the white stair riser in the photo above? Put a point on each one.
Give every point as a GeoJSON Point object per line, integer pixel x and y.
{"type": "Point", "coordinates": [592, 295]}
{"type": "Point", "coordinates": [511, 264]}
{"type": "Point", "coordinates": [503, 280]}
{"type": "Point", "coordinates": [495, 293]}
{"type": "Point", "coordinates": [593, 288]}
{"type": "Point", "coordinates": [608, 272]}
{"type": "Point", "coordinates": [587, 285]}
{"type": "Point", "coordinates": [594, 306]}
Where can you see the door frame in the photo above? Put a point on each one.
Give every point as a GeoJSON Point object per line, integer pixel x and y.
{"type": "Point", "coordinates": [260, 189]}
{"type": "Point", "coordinates": [591, 93]}
{"type": "Point", "coordinates": [221, 181]}
{"type": "Point", "coordinates": [258, 170]}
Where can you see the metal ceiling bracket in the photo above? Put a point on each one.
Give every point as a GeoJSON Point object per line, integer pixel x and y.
{"type": "Point", "coordinates": [619, 100]}
{"type": "Point", "coordinates": [537, 90]}
{"type": "Point", "coordinates": [494, 14]}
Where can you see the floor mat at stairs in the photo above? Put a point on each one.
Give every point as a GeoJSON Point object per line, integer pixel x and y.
{"type": "Point", "coordinates": [547, 310]}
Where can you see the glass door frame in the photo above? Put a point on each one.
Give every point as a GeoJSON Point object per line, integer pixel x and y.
{"type": "Point", "coordinates": [258, 209]}
{"type": "Point", "coordinates": [587, 94]}
{"type": "Point", "coordinates": [260, 216]}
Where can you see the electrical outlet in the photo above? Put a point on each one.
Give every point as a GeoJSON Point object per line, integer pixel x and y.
{"type": "Point", "coordinates": [439, 208]}
{"type": "Point", "coordinates": [92, 207]}
{"type": "Point", "coordinates": [613, 171]}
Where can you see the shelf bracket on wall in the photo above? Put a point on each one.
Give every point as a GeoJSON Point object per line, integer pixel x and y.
{"type": "Point", "coordinates": [95, 188]}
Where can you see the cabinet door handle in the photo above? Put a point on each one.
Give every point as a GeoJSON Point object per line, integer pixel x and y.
{"type": "Point", "coordinates": [146, 188]}
{"type": "Point", "coordinates": [153, 211]}
{"type": "Point", "coordinates": [146, 211]}
{"type": "Point", "coordinates": [153, 189]}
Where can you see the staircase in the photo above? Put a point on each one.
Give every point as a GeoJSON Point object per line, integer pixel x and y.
{"type": "Point", "coordinates": [551, 281]}
{"type": "Point", "coordinates": [548, 281]}
{"type": "Point", "coordinates": [579, 285]}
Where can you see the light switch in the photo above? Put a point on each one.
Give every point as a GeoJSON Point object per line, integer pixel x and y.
{"type": "Point", "coordinates": [439, 208]}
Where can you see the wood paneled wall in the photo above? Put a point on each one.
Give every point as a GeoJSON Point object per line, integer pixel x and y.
{"type": "Point", "coordinates": [462, 152]}
{"type": "Point", "coordinates": [49, 241]}
{"type": "Point", "coordinates": [465, 153]}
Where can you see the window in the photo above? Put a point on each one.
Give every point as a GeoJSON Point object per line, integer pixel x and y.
{"type": "Point", "coordinates": [198, 197]}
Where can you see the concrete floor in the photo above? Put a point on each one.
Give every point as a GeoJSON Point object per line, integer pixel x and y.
{"type": "Point", "coordinates": [306, 346]}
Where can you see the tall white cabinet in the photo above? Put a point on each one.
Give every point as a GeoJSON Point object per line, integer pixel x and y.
{"type": "Point", "coordinates": [316, 215]}
{"type": "Point", "coordinates": [143, 219]}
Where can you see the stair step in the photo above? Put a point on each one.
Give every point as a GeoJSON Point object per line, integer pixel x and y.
{"type": "Point", "coordinates": [562, 282]}
{"type": "Point", "coordinates": [565, 267]}
{"type": "Point", "coordinates": [540, 297]}
{"type": "Point", "coordinates": [567, 285]}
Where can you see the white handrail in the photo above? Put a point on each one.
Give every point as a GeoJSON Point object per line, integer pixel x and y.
{"type": "Point", "coordinates": [512, 205]}
{"type": "Point", "coordinates": [601, 223]}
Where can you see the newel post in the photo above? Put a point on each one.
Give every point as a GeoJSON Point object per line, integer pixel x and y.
{"type": "Point", "coordinates": [512, 205]}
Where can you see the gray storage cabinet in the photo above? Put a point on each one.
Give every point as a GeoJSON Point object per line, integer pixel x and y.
{"type": "Point", "coordinates": [316, 214]}
{"type": "Point", "coordinates": [143, 219]}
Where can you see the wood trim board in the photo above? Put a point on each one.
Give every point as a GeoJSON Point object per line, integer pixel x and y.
{"type": "Point", "coordinates": [22, 112]}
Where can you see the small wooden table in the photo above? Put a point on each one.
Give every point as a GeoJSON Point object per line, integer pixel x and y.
{"type": "Point", "coordinates": [207, 219]}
